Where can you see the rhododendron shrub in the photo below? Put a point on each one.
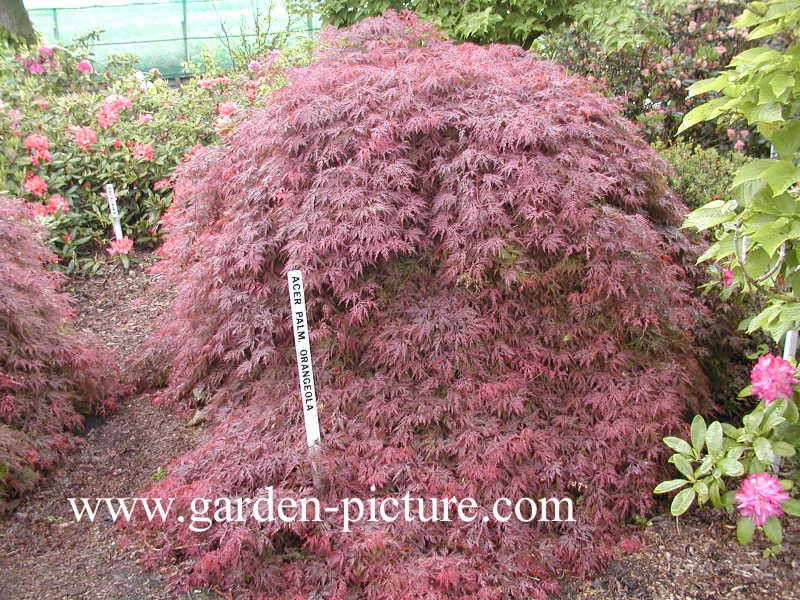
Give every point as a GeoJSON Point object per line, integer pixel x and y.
{"type": "Point", "coordinates": [49, 375]}
{"type": "Point", "coordinates": [70, 130]}
{"type": "Point", "coordinates": [497, 308]}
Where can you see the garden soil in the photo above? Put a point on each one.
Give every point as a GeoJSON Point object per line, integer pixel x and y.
{"type": "Point", "coordinates": [46, 555]}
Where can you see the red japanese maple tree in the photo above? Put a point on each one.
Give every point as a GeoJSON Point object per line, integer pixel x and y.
{"type": "Point", "coordinates": [497, 308]}
{"type": "Point", "coordinates": [50, 377]}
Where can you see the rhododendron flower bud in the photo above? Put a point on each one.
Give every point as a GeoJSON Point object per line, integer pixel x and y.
{"type": "Point", "coordinates": [84, 66]}
{"type": "Point", "coordinates": [727, 276]}
{"type": "Point", "coordinates": [772, 377]}
{"type": "Point", "coordinates": [759, 497]}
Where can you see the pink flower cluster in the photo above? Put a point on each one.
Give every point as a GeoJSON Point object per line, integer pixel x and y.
{"type": "Point", "coordinates": [84, 66]}
{"type": "Point", "coordinates": [738, 136]}
{"type": "Point", "coordinates": [208, 83]}
{"type": "Point", "coordinates": [772, 378]}
{"type": "Point", "coordinates": [143, 151]}
{"type": "Point", "coordinates": [759, 497]}
{"type": "Point", "coordinates": [35, 185]}
{"type": "Point", "coordinates": [55, 203]}
{"type": "Point", "coordinates": [108, 112]}
{"type": "Point", "coordinates": [123, 246]}
{"type": "Point", "coordinates": [38, 63]}
{"type": "Point", "coordinates": [227, 108]}
{"type": "Point", "coordinates": [83, 136]}
{"type": "Point", "coordinates": [39, 148]}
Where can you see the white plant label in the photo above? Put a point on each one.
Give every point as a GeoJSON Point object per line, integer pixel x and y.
{"type": "Point", "coordinates": [111, 196]}
{"type": "Point", "coordinates": [302, 345]}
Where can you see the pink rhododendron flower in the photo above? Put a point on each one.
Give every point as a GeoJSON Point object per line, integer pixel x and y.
{"type": "Point", "coordinates": [35, 68]}
{"type": "Point", "coordinates": [227, 108]}
{"type": "Point", "coordinates": [108, 112]}
{"type": "Point", "coordinates": [759, 497]}
{"type": "Point", "coordinates": [14, 113]}
{"type": "Point", "coordinates": [739, 145]}
{"type": "Point", "coordinates": [46, 51]}
{"type": "Point", "coordinates": [143, 151]}
{"type": "Point", "coordinates": [84, 66]}
{"type": "Point", "coordinates": [56, 202]}
{"type": "Point", "coordinates": [727, 276]}
{"type": "Point", "coordinates": [144, 118]}
{"type": "Point", "coordinates": [83, 136]}
{"type": "Point", "coordinates": [35, 185]}
{"type": "Point", "coordinates": [123, 246]}
{"type": "Point", "coordinates": [253, 66]}
{"type": "Point", "coordinates": [37, 142]}
{"type": "Point", "coordinates": [772, 378]}
{"type": "Point", "coordinates": [40, 103]}
{"type": "Point", "coordinates": [38, 210]}
{"type": "Point", "coordinates": [38, 146]}
{"type": "Point", "coordinates": [223, 125]}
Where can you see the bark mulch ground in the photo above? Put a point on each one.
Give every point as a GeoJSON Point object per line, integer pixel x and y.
{"type": "Point", "coordinates": [45, 554]}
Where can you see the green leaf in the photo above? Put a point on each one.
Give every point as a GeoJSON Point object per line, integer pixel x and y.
{"type": "Point", "coordinates": [713, 494]}
{"type": "Point", "coordinates": [787, 139]}
{"type": "Point", "coordinates": [701, 488]}
{"type": "Point", "coordinates": [781, 175]}
{"type": "Point", "coordinates": [710, 215]}
{"type": "Point", "coordinates": [752, 171]}
{"type": "Point", "coordinates": [714, 438]}
{"type": "Point", "coordinates": [698, 433]}
{"type": "Point", "coordinates": [745, 528]}
{"type": "Point", "coordinates": [783, 449]}
{"type": "Point", "coordinates": [773, 530]}
{"type": "Point", "coordinates": [731, 467]}
{"type": "Point", "coordinates": [683, 466]}
{"type": "Point", "coordinates": [678, 445]}
{"type": "Point", "coordinates": [701, 113]}
{"type": "Point", "coordinates": [682, 502]}
{"type": "Point", "coordinates": [705, 466]}
{"type": "Point", "coordinates": [791, 507]}
{"type": "Point", "coordinates": [669, 486]}
{"type": "Point", "coordinates": [763, 449]}
{"type": "Point", "coordinates": [752, 420]}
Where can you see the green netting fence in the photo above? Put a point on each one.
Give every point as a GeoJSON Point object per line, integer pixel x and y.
{"type": "Point", "coordinates": [162, 33]}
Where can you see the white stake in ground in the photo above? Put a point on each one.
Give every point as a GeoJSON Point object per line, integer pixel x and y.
{"type": "Point", "coordinates": [302, 345]}
{"type": "Point", "coordinates": [111, 196]}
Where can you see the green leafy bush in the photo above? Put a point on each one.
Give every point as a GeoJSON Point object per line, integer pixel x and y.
{"type": "Point", "coordinates": [757, 230]}
{"type": "Point", "coordinates": [649, 71]}
{"type": "Point", "coordinates": [700, 175]}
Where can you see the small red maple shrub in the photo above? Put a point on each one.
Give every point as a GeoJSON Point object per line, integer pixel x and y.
{"type": "Point", "coordinates": [49, 376]}
{"type": "Point", "coordinates": [497, 308]}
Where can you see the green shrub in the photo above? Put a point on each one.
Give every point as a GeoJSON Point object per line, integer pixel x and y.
{"type": "Point", "coordinates": [700, 175]}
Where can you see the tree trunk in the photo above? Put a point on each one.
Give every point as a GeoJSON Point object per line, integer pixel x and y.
{"type": "Point", "coordinates": [14, 19]}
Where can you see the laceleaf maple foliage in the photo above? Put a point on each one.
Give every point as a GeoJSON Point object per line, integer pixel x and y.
{"type": "Point", "coordinates": [50, 377]}
{"type": "Point", "coordinates": [497, 309]}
